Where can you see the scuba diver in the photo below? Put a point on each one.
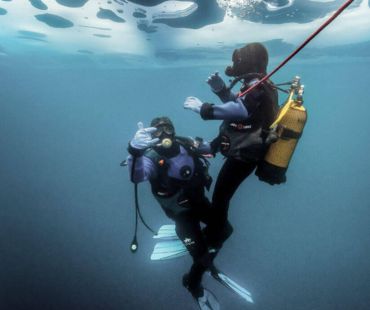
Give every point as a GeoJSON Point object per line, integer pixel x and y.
{"type": "Point", "coordinates": [244, 135]}
{"type": "Point", "coordinates": [178, 174]}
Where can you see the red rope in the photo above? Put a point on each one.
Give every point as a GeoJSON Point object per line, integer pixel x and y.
{"type": "Point", "coordinates": [335, 15]}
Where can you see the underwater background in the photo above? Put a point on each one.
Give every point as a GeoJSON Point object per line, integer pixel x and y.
{"type": "Point", "coordinates": [71, 94]}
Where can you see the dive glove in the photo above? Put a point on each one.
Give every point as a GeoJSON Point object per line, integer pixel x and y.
{"type": "Point", "coordinates": [143, 138]}
{"type": "Point", "coordinates": [193, 103]}
{"type": "Point", "coordinates": [216, 82]}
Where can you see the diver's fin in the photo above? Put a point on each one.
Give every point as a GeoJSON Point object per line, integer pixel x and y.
{"type": "Point", "coordinates": [168, 250]}
{"type": "Point", "coordinates": [208, 301]}
{"type": "Point", "coordinates": [166, 232]}
{"type": "Point", "coordinates": [230, 284]}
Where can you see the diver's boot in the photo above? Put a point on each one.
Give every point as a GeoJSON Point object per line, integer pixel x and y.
{"type": "Point", "coordinates": [223, 279]}
{"type": "Point", "coordinates": [195, 289]}
{"type": "Point", "coordinates": [206, 299]}
{"type": "Point", "coordinates": [213, 270]}
{"type": "Point", "coordinates": [192, 280]}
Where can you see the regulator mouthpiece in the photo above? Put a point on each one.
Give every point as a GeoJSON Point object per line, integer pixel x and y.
{"type": "Point", "coordinates": [166, 143]}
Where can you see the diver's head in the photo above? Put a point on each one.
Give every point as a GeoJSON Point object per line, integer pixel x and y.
{"type": "Point", "coordinates": [165, 131]}
{"type": "Point", "coordinates": [252, 58]}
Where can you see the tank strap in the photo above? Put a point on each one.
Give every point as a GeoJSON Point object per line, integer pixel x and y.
{"type": "Point", "coordinates": [286, 133]}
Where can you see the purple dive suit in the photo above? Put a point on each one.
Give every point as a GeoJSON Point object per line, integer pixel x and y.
{"type": "Point", "coordinates": [178, 183]}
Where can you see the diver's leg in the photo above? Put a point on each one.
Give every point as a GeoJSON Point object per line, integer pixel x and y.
{"type": "Point", "coordinates": [189, 231]}
{"type": "Point", "coordinates": [203, 209]}
{"type": "Point", "coordinates": [232, 174]}
{"type": "Point", "coordinates": [205, 214]}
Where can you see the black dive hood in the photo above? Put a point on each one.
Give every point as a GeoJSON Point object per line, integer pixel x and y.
{"type": "Point", "coordinates": [166, 133]}
{"type": "Point", "coordinates": [252, 58]}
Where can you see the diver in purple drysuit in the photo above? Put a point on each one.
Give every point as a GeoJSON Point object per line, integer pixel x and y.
{"type": "Point", "coordinates": [178, 174]}
{"type": "Point", "coordinates": [244, 135]}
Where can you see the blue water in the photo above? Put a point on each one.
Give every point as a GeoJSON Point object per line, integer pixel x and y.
{"type": "Point", "coordinates": [67, 214]}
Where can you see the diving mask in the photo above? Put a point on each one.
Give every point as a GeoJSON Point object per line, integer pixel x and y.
{"type": "Point", "coordinates": [165, 132]}
{"type": "Point", "coordinates": [237, 60]}
{"type": "Point", "coordinates": [163, 129]}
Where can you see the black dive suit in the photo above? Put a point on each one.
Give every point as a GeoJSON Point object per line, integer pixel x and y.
{"type": "Point", "coordinates": [243, 139]}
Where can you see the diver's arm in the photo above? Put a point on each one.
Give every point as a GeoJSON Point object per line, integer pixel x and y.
{"type": "Point", "coordinates": [228, 111]}
{"type": "Point", "coordinates": [144, 168]}
{"type": "Point", "coordinates": [218, 86]}
{"type": "Point", "coordinates": [141, 168]}
{"type": "Point", "coordinates": [226, 95]}
{"type": "Point", "coordinates": [232, 110]}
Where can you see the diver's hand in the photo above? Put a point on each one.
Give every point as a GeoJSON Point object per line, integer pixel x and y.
{"type": "Point", "coordinates": [143, 138]}
{"type": "Point", "coordinates": [193, 103]}
{"type": "Point", "coordinates": [216, 82]}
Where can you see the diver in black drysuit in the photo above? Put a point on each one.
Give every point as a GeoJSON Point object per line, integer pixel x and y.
{"type": "Point", "coordinates": [244, 134]}
{"type": "Point", "coordinates": [178, 175]}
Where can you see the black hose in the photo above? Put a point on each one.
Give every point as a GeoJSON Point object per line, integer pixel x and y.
{"type": "Point", "coordinates": [244, 76]}
{"type": "Point", "coordinates": [138, 212]}
{"type": "Point", "coordinates": [134, 244]}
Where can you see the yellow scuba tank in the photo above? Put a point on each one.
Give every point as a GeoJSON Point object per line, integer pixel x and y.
{"type": "Point", "coordinates": [288, 126]}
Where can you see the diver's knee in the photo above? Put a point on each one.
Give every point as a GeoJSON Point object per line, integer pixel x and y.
{"type": "Point", "coordinates": [216, 236]}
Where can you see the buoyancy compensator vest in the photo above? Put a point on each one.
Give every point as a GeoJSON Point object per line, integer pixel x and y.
{"type": "Point", "coordinates": [164, 185]}
{"type": "Point", "coordinates": [248, 140]}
